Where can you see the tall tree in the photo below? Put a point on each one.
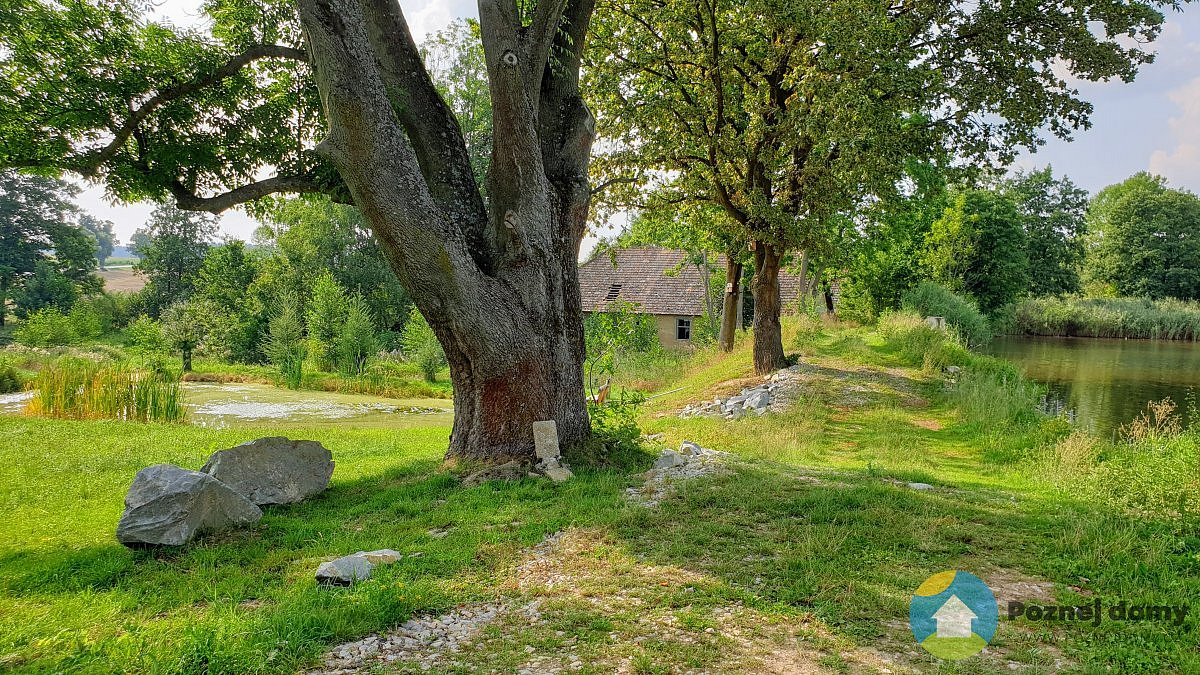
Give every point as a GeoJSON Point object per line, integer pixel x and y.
{"type": "Point", "coordinates": [102, 233]}
{"type": "Point", "coordinates": [978, 247]}
{"type": "Point", "coordinates": [1145, 239]}
{"type": "Point", "coordinates": [333, 97]}
{"type": "Point", "coordinates": [176, 244]}
{"type": "Point", "coordinates": [37, 232]}
{"type": "Point", "coordinates": [784, 112]}
{"type": "Point", "coordinates": [1053, 212]}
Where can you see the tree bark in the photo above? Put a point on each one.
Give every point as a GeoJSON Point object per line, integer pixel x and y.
{"type": "Point", "coordinates": [497, 282]}
{"type": "Point", "coordinates": [731, 308]}
{"type": "Point", "coordinates": [768, 336]}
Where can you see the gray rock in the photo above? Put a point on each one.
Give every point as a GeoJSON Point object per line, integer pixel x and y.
{"type": "Point", "coordinates": [382, 556]}
{"type": "Point", "coordinates": [558, 474]}
{"type": "Point", "coordinates": [668, 459]}
{"type": "Point", "coordinates": [545, 439]}
{"type": "Point", "coordinates": [737, 413]}
{"type": "Point", "coordinates": [920, 486]}
{"type": "Point", "coordinates": [514, 470]}
{"type": "Point", "coordinates": [273, 470]}
{"type": "Point", "coordinates": [689, 448]}
{"type": "Point", "coordinates": [758, 400]}
{"type": "Point", "coordinates": [168, 506]}
{"type": "Point", "coordinates": [345, 570]}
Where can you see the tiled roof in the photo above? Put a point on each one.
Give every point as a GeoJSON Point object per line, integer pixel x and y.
{"type": "Point", "coordinates": [653, 278]}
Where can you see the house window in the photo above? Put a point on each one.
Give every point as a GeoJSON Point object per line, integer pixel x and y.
{"type": "Point", "coordinates": [683, 329]}
{"type": "Point", "coordinates": [613, 292]}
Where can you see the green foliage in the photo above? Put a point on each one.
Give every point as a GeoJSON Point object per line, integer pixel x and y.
{"type": "Point", "coordinates": [930, 299]}
{"type": "Point", "coordinates": [1145, 239]}
{"type": "Point", "coordinates": [38, 241]}
{"type": "Point", "coordinates": [1053, 214]}
{"type": "Point", "coordinates": [102, 312]}
{"type": "Point", "coordinates": [284, 344]}
{"type": "Point", "coordinates": [1107, 318]}
{"type": "Point", "coordinates": [616, 436]}
{"type": "Point", "coordinates": [421, 346]}
{"type": "Point", "coordinates": [613, 335]}
{"type": "Point", "coordinates": [355, 343]}
{"type": "Point", "coordinates": [455, 61]}
{"type": "Point", "coordinates": [101, 232]}
{"type": "Point", "coordinates": [45, 288]}
{"type": "Point", "coordinates": [327, 315]}
{"type": "Point", "coordinates": [920, 345]}
{"type": "Point", "coordinates": [81, 389]}
{"type": "Point", "coordinates": [87, 320]}
{"type": "Point", "coordinates": [45, 328]}
{"type": "Point", "coordinates": [145, 337]}
{"type": "Point", "coordinates": [197, 325]}
{"type": "Point", "coordinates": [10, 377]}
{"type": "Point", "coordinates": [172, 253]}
{"type": "Point", "coordinates": [978, 247]}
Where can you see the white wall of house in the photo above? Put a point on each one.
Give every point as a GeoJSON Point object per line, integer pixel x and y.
{"type": "Point", "coordinates": [669, 330]}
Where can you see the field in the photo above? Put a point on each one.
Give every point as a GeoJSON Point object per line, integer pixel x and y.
{"type": "Point", "coordinates": [122, 279]}
{"type": "Point", "coordinates": [800, 557]}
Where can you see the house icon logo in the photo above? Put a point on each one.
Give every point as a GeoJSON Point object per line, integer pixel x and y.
{"type": "Point", "coordinates": [953, 615]}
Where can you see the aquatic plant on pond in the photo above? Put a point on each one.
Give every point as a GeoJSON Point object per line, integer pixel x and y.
{"type": "Point", "coordinates": [80, 389]}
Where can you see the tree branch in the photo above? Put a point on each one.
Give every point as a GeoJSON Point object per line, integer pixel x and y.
{"type": "Point", "coordinates": [188, 200]}
{"type": "Point", "coordinates": [91, 162]}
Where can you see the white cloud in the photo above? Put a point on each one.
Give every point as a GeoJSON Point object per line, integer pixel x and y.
{"type": "Point", "coordinates": [1181, 164]}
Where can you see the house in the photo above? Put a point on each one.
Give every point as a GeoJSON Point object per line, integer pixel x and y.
{"type": "Point", "coordinates": [954, 619]}
{"type": "Point", "coordinates": [654, 279]}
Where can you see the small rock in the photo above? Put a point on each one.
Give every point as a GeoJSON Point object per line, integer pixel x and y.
{"type": "Point", "coordinates": [558, 474]}
{"type": "Point", "coordinates": [345, 570]}
{"type": "Point", "coordinates": [382, 556]}
{"type": "Point", "coordinates": [759, 400]}
{"type": "Point", "coordinates": [689, 448]}
{"type": "Point", "coordinates": [668, 459]}
{"type": "Point", "coordinates": [920, 486]}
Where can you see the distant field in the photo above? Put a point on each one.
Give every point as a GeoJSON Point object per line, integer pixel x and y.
{"type": "Point", "coordinates": [122, 280]}
{"type": "Point", "coordinates": [120, 261]}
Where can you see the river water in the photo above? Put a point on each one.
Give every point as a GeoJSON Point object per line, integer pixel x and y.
{"type": "Point", "coordinates": [1106, 383]}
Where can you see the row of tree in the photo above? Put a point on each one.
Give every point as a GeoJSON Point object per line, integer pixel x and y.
{"type": "Point", "coordinates": [781, 114]}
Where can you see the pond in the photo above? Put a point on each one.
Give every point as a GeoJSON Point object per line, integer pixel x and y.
{"type": "Point", "coordinates": [1106, 383]}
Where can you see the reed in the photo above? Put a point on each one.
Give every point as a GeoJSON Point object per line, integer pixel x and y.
{"type": "Point", "coordinates": [1138, 318]}
{"type": "Point", "coordinates": [78, 389]}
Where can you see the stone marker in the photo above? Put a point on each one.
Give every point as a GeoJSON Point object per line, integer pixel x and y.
{"type": "Point", "coordinates": [554, 469]}
{"type": "Point", "coordinates": [545, 440]}
{"type": "Point", "coordinates": [273, 470]}
{"type": "Point", "coordinates": [167, 505]}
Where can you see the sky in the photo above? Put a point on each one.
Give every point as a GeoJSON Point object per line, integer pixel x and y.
{"type": "Point", "coordinates": [1152, 124]}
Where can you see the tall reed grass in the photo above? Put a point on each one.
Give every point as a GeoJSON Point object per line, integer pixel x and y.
{"type": "Point", "coordinates": [1105, 317]}
{"type": "Point", "coordinates": [78, 389]}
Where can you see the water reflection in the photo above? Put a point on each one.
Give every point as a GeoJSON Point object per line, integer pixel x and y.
{"type": "Point", "coordinates": [1106, 383]}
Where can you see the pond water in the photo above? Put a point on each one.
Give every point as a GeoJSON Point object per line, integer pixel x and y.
{"type": "Point", "coordinates": [1105, 383]}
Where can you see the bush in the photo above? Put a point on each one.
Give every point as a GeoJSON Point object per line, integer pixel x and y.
{"type": "Point", "coordinates": [284, 344]}
{"type": "Point", "coordinates": [930, 299]}
{"type": "Point", "coordinates": [46, 328]}
{"type": "Point", "coordinates": [421, 346]}
{"type": "Point", "coordinates": [10, 378]}
{"type": "Point", "coordinates": [145, 338]}
{"type": "Point", "coordinates": [920, 345]}
{"type": "Point", "coordinates": [355, 343]}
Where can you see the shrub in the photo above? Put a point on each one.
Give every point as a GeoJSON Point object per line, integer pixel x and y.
{"type": "Point", "coordinates": [145, 340]}
{"type": "Point", "coordinates": [46, 328]}
{"type": "Point", "coordinates": [10, 378]}
{"type": "Point", "coordinates": [356, 343]}
{"type": "Point", "coordinates": [930, 299]}
{"type": "Point", "coordinates": [326, 317]}
{"type": "Point", "coordinates": [920, 345]}
{"type": "Point", "coordinates": [421, 346]}
{"type": "Point", "coordinates": [284, 344]}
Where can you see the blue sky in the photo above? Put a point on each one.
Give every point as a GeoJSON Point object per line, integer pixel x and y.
{"type": "Point", "coordinates": [1152, 124]}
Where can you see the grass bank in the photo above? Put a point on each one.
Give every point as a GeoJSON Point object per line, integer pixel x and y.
{"type": "Point", "coordinates": [804, 555]}
{"type": "Point", "coordinates": [1104, 317]}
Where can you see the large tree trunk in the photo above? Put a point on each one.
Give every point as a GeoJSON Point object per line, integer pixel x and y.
{"type": "Point", "coordinates": [497, 282]}
{"type": "Point", "coordinates": [768, 336]}
{"type": "Point", "coordinates": [731, 308]}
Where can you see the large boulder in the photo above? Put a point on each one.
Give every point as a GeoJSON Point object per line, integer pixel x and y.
{"type": "Point", "coordinates": [167, 505]}
{"type": "Point", "coordinates": [273, 470]}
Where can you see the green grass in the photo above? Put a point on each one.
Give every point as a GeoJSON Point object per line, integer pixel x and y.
{"type": "Point", "coordinates": [813, 538]}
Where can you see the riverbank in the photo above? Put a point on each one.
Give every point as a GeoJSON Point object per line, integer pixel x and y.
{"type": "Point", "coordinates": [1136, 318]}
{"type": "Point", "coordinates": [801, 554]}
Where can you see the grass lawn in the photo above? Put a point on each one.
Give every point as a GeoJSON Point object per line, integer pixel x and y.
{"type": "Point", "coordinates": [802, 558]}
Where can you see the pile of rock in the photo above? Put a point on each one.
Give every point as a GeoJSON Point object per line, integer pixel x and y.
{"type": "Point", "coordinates": [690, 461]}
{"type": "Point", "coordinates": [773, 394]}
{"type": "Point", "coordinates": [168, 505]}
